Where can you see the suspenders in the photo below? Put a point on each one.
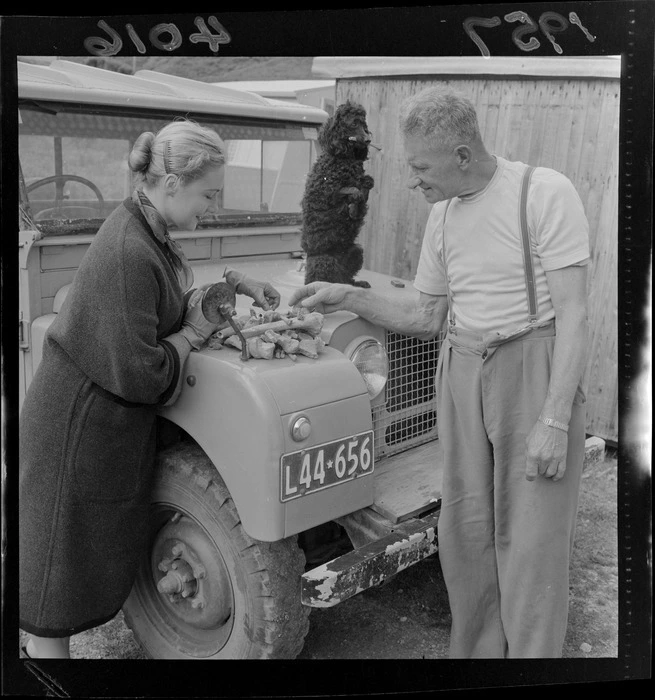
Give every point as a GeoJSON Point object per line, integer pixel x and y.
{"type": "Point", "coordinates": [451, 313]}
{"type": "Point", "coordinates": [528, 263]}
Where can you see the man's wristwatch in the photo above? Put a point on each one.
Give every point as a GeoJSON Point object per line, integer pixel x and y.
{"type": "Point", "coordinates": [555, 424]}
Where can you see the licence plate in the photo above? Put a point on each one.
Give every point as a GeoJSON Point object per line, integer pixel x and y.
{"type": "Point", "coordinates": [321, 466]}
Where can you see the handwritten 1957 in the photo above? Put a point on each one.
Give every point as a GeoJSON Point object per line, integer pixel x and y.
{"type": "Point", "coordinates": [549, 23]}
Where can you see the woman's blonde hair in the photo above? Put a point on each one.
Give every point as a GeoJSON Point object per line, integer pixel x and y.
{"type": "Point", "coordinates": [183, 148]}
{"type": "Point", "coordinates": [443, 117]}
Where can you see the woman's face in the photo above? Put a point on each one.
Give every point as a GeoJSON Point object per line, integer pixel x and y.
{"type": "Point", "coordinates": [186, 203]}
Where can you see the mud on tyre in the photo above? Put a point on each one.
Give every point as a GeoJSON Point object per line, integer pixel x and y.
{"type": "Point", "coordinates": [205, 589]}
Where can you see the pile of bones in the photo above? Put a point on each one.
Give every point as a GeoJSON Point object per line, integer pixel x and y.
{"type": "Point", "coordinates": [272, 335]}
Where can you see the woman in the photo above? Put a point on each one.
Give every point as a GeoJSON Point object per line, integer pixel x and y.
{"type": "Point", "coordinates": [113, 355]}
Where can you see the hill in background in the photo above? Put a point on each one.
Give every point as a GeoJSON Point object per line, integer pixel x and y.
{"type": "Point", "coordinates": [210, 69]}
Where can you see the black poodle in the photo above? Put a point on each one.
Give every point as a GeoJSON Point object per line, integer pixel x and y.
{"type": "Point", "coordinates": [334, 203]}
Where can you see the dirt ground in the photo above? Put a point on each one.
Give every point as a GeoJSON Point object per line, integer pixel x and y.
{"type": "Point", "coordinates": [408, 617]}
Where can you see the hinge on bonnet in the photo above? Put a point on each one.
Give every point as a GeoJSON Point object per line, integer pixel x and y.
{"type": "Point", "coordinates": [23, 333]}
{"type": "Point", "coordinates": [26, 239]}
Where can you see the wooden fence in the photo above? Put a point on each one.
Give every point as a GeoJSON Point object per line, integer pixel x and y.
{"type": "Point", "coordinates": [560, 113]}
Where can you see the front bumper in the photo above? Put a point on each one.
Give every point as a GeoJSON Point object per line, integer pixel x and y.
{"type": "Point", "coordinates": [371, 564]}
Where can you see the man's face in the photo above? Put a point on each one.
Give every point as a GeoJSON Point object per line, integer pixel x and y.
{"type": "Point", "coordinates": [435, 171]}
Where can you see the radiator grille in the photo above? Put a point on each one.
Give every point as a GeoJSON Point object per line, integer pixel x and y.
{"type": "Point", "coordinates": [408, 414]}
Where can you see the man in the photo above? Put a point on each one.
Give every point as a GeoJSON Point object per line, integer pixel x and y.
{"type": "Point", "coordinates": [511, 408]}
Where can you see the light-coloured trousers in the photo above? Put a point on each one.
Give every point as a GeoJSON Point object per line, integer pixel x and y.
{"type": "Point", "coordinates": [504, 542]}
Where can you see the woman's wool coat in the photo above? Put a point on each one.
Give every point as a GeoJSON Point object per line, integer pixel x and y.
{"type": "Point", "coordinates": [87, 430]}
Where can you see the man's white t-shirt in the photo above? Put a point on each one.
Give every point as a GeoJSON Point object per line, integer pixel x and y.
{"type": "Point", "coordinates": [484, 254]}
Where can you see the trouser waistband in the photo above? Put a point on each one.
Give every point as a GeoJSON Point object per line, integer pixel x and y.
{"type": "Point", "coordinates": [480, 343]}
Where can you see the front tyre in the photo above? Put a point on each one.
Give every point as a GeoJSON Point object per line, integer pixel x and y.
{"type": "Point", "coordinates": [205, 589]}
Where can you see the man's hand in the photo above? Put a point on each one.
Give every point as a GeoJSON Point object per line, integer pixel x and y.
{"type": "Point", "coordinates": [546, 452]}
{"type": "Point", "coordinates": [322, 297]}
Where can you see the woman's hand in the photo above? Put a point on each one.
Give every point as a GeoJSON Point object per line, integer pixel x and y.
{"type": "Point", "coordinates": [195, 327]}
{"type": "Point", "coordinates": [264, 294]}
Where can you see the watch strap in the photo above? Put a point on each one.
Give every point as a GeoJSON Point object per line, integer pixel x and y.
{"type": "Point", "coordinates": [554, 424]}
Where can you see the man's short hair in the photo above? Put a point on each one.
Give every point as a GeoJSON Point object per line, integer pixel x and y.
{"type": "Point", "coordinates": [444, 117]}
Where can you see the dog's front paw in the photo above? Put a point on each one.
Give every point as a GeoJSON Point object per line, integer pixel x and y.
{"type": "Point", "coordinates": [356, 210]}
{"type": "Point", "coordinates": [361, 283]}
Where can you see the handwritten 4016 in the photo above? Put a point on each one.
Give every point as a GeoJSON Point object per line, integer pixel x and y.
{"type": "Point", "coordinates": [164, 36]}
{"type": "Point", "coordinates": [549, 23]}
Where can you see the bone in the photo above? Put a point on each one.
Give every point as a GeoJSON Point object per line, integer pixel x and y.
{"type": "Point", "coordinates": [312, 323]}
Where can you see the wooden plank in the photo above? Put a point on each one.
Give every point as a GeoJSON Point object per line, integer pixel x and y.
{"type": "Point", "coordinates": [529, 116]}
{"type": "Point", "coordinates": [493, 90]}
{"type": "Point", "coordinates": [507, 108]}
{"type": "Point", "coordinates": [585, 166]}
{"type": "Point", "coordinates": [409, 483]}
{"type": "Point", "coordinates": [602, 208]}
{"type": "Point", "coordinates": [518, 122]}
{"type": "Point", "coordinates": [482, 108]}
{"type": "Point", "coordinates": [550, 133]}
{"type": "Point", "coordinates": [579, 99]}
{"type": "Point", "coordinates": [608, 67]}
{"type": "Point", "coordinates": [561, 145]}
{"type": "Point", "coordinates": [388, 174]}
{"type": "Point", "coordinates": [536, 146]}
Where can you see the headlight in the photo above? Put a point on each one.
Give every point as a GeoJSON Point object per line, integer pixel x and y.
{"type": "Point", "coordinates": [370, 358]}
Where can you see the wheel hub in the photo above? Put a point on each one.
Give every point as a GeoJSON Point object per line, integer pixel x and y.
{"type": "Point", "coordinates": [180, 581]}
{"type": "Point", "coordinates": [190, 575]}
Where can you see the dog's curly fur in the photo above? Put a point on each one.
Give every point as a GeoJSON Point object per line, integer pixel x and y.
{"type": "Point", "coordinates": [335, 200]}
